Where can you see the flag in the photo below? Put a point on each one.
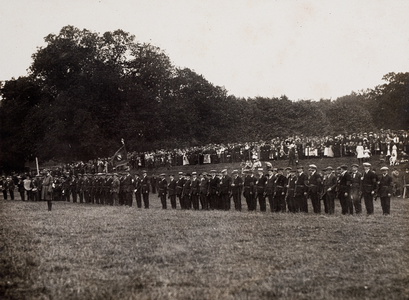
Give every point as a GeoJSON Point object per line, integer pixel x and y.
{"type": "Point", "coordinates": [120, 157]}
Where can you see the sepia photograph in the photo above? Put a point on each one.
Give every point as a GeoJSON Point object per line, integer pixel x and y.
{"type": "Point", "coordinates": [209, 150]}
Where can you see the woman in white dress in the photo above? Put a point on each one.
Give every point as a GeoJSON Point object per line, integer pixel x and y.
{"type": "Point", "coordinates": [360, 152]}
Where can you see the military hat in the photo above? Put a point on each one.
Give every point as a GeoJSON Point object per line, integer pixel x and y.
{"type": "Point", "coordinates": [344, 167]}
{"type": "Point", "coordinates": [235, 172]}
{"type": "Point", "coordinates": [212, 171]}
{"type": "Point", "coordinates": [328, 168]}
{"type": "Point", "coordinates": [187, 174]}
{"type": "Point", "coordinates": [312, 167]}
{"type": "Point", "coordinates": [171, 175]}
{"type": "Point", "coordinates": [355, 165]}
{"type": "Point", "coordinates": [280, 169]}
{"type": "Point", "coordinates": [292, 171]}
{"type": "Point", "coordinates": [204, 173]}
{"type": "Point", "coordinates": [260, 169]}
{"type": "Point", "coordinates": [194, 173]}
{"type": "Point", "coordinates": [384, 169]}
{"type": "Point", "coordinates": [288, 169]}
{"type": "Point", "coordinates": [300, 167]}
{"type": "Point", "coordinates": [224, 170]}
{"type": "Point", "coordinates": [144, 172]}
{"type": "Point", "coordinates": [180, 173]}
{"type": "Point", "coordinates": [115, 174]}
{"type": "Point", "coordinates": [163, 174]}
{"type": "Point", "coordinates": [366, 164]}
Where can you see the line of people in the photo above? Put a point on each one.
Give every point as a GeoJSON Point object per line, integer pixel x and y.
{"type": "Point", "coordinates": [286, 190]}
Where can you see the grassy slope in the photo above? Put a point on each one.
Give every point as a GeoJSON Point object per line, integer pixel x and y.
{"type": "Point", "coordinates": [92, 252]}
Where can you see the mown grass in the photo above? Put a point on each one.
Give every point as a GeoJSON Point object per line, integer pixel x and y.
{"type": "Point", "coordinates": [98, 252]}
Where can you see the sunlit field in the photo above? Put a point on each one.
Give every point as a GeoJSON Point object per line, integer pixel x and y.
{"type": "Point", "coordinates": [87, 251]}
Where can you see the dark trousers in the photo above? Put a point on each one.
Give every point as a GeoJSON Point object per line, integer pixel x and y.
{"type": "Point", "coordinates": [291, 204]}
{"type": "Point", "coordinates": [261, 202]}
{"type": "Point", "coordinates": [129, 198]}
{"type": "Point", "coordinates": [22, 195]}
{"type": "Point", "coordinates": [368, 199]}
{"type": "Point", "coordinates": [195, 201]}
{"type": "Point", "coordinates": [356, 200]}
{"type": "Point", "coordinates": [213, 201]}
{"type": "Point", "coordinates": [204, 201]}
{"type": "Point", "coordinates": [5, 194]}
{"type": "Point", "coordinates": [173, 201]}
{"type": "Point", "coordinates": [163, 200]}
{"type": "Point", "coordinates": [301, 203]}
{"type": "Point", "coordinates": [225, 202]}
{"type": "Point", "coordinates": [74, 196]}
{"type": "Point", "coordinates": [386, 205]}
{"type": "Point", "coordinates": [49, 204]}
{"type": "Point", "coordinates": [316, 203]}
{"type": "Point", "coordinates": [329, 203]}
{"type": "Point", "coordinates": [346, 204]}
{"type": "Point", "coordinates": [237, 201]}
{"type": "Point", "coordinates": [11, 192]}
{"type": "Point", "coordinates": [138, 200]}
{"type": "Point", "coordinates": [145, 197]}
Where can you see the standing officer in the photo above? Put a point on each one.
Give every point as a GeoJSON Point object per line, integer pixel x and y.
{"type": "Point", "coordinates": [179, 187]}
{"type": "Point", "coordinates": [225, 190]}
{"type": "Point", "coordinates": [356, 188]}
{"type": "Point", "coordinates": [195, 191]}
{"type": "Point", "coordinates": [344, 186]}
{"type": "Point", "coordinates": [145, 189]}
{"type": "Point", "coordinates": [213, 189]}
{"type": "Point", "coordinates": [368, 187]}
{"type": "Point", "coordinates": [329, 188]}
{"type": "Point", "coordinates": [260, 187]}
{"type": "Point", "coordinates": [290, 193]}
{"type": "Point", "coordinates": [137, 190]}
{"type": "Point", "coordinates": [186, 193]}
{"type": "Point", "coordinates": [385, 191]}
{"type": "Point", "coordinates": [314, 186]}
{"type": "Point", "coordinates": [269, 191]}
{"type": "Point", "coordinates": [249, 189]}
{"type": "Point", "coordinates": [162, 189]}
{"type": "Point", "coordinates": [128, 183]}
{"type": "Point", "coordinates": [203, 190]}
{"type": "Point", "coordinates": [301, 188]}
{"type": "Point", "coordinates": [172, 191]}
{"type": "Point", "coordinates": [279, 194]}
{"type": "Point", "coordinates": [73, 188]}
{"type": "Point", "coordinates": [236, 188]}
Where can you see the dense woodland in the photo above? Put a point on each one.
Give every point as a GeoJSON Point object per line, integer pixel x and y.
{"type": "Point", "coordinates": [85, 91]}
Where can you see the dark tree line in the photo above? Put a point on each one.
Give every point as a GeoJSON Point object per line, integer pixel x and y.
{"type": "Point", "coordinates": [85, 91]}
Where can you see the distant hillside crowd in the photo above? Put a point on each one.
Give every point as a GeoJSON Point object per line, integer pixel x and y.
{"type": "Point", "coordinates": [85, 91]}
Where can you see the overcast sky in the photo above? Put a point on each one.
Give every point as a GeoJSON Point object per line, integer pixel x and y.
{"type": "Point", "coordinates": [304, 49]}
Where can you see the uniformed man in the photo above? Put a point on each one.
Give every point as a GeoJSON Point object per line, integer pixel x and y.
{"type": "Point", "coordinates": [356, 194]}
{"type": "Point", "coordinates": [186, 192]}
{"type": "Point", "coordinates": [225, 190]}
{"type": "Point", "coordinates": [203, 191]}
{"type": "Point", "coordinates": [172, 191]}
{"type": "Point", "coordinates": [236, 189]}
{"type": "Point", "coordinates": [145, 189]}
{"type": "Point", "coordinates": [260, 188]}
{"type": "Point", "coordinates": [249, 188]}
{"type": "Point", "coordinates": [301, 189]}
{"type": "Point", "coordinates": [329, 190]}
{"type": "Point", "coordinates": [73, 188]}
{"type": "Point", "coordinates": [138, 191]}
{"type": "Point", "coordinates": [128, 183]}
{"type": "Point", "coordinates": [213, 190]}
{"type": "Point", "coordinates": [279, 194]}
{"type": "Point", "coordinates": [314, 187]}
{"type": "Point", "coordinates": [385, 190]}
{"type": "Point", "coordinates": [290, 192]}
{"type": "Point", "coordinates": [344, 186]}
{"type": "Point", "coordinates": [179, 187]}
{"type": "Point", "coordinates": [194, 199]}
{"type": "Point", "coordinates": [269, 190]}
{"type": "Point", "coordinates": [162, 190]}
{"type": "Point", "coordinates": [368, 187]}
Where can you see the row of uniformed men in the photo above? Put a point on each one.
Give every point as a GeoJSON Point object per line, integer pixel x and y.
{"type": "Point", "coordinates": [284, 188]}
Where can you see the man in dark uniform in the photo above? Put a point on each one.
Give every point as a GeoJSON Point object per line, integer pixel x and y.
{"type": "Point", "coordinates": [179, 187]}
{"type": "Point", "coordinates": [368, 187]}
{"type": "Point", "coordinates": [66, 188]}
{"type": "Point", "coordinates": [301, 189]}
{"type": "Point", "coordinates": [80, 188]}
{"type": "Point", "coordinates": [86, 188]}
{"type": "Point", "coordinates": [329, 188]}
{"type": "Point", "coordinates": [172, 191]}
{"type": "Point", "coordinates": [249, 189]}
{"type": "Point", "coordinates": [109, 198]}
{"type": "Point", "coordinates": [314, 187]}
{"type": "Point", "coordinates": [203, 191]}
{"type": "Point", "coordinates": [236, 189]}
{"type": "Point", "coordinates": [186, 193]}
{"type": "Point", "coordinates": [73, 188]}
{"type": "Point", "coordinates": [145, 189]}
{"type": "Point", "coordinates": [225, 190]}
{"type": "Point", "coordinates": [128, 183]}
{"type": "Point", "coordinates": [356, 188]}
{"type": "Point", "coordinates": [279, 194]}
{"type": "Point", "coordinates": [290, 190]}
{"type": "Point", "coordinates": [344, 186]}
{"type": "Point", "coordinates": [162, 190]}
{"type": "Point", "coordinates": [137, 191]}
{"type": "Point", "coordinates": [260, 187]}
{"type": "Point", "coordinates": [213, 189]}
{"type": "Point", "coordinates": [269, 190]}
{"type": "Point", "coordinates": [195, 191]}
{"type": "Point", "coordinates": [385, 190]}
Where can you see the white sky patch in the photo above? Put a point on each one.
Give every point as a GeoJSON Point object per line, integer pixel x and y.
{"type": "Point", "coordinates": [303, 49]}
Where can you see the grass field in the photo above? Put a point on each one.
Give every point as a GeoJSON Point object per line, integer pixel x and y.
{"type": "Point", "coordinates": [100, 252]}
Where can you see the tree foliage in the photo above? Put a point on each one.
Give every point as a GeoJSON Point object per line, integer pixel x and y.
{"type": "Point", "coordinates": [85, 91]}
